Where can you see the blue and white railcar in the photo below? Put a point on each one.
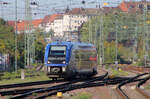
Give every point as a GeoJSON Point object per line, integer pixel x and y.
{"type": "Point", "coordinates": [69, 59]}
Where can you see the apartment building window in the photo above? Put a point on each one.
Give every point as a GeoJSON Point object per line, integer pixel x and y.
{"type": "Point", "coordinates": [78, 22]}
{"type": "Point", "coordinates": [148, 7]}
{"type": "Point", "coordinates": [131, 6]}
{"type": "Point", "coordinates": [141, 6]}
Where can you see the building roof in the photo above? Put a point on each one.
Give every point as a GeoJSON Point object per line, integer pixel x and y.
{"type": "Point", "coordinates": [50, 18]}
{"type": "Point", "coordinates": [11, 23]}
{"type": "Point", "coordinates": [36, 22]}
{"type": "Point", "coordinates": [131, 6]}
{"type": "Point", "coordinates": [81, 11]}
{"type": "Point", "coordinates": [21, 24]}
{"type": "Point", "coordinates": [109, 9]}
{"type": "Point", "coordinates": [45, 20]}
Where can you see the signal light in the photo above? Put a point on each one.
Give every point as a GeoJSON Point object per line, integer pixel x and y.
{"type": "Point", "coordinates": [93, 58]}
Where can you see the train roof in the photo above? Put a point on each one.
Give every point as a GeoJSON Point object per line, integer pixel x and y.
{"type": "Point", "coordinates": [71, 43]}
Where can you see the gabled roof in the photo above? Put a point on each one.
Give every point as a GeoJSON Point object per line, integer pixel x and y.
{"type": "Point", "coordinates": [50, 18]}
{"type": "Point", "coordinates": [36, 22]}
{"type": "Point", "coordinates": [81, 11]}
{"type": "Point", "coordinates": [77, 11]}
{"type": "Point", "coordinates": [45, 20]}
{"type": "Point", "coordinates": [123, 7]}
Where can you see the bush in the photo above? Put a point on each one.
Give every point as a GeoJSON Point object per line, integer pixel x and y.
{"type": "Point", "coordinates": [140, 63]}
{"type": "Point", "coordinates": [10, 75]}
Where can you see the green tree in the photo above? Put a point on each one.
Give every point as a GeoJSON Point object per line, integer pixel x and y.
{"type": "Point", "coordinates": [127, 26]}
{"type": "Point", "coordinates": [39, 45]}
{"type": "Point", "coordinates": [7, 40]}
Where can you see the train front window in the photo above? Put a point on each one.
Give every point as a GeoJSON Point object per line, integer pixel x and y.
{"type": "Point", "coordinates": [57, 54]}
{"type": "Point", "coordinates": [58, 50]}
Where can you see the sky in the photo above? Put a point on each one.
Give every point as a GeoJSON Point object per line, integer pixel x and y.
{"type": "Point", "coordinates": [46, 7]}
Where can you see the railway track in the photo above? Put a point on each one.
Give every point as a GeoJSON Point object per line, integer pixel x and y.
{"type": "Point", "coordinates": [97, 81]}
{"type": "Point", "coordinates": [57, 87]}
{"type": "Point", "coordinates": [147, 96]}
{"type": "Point", "coordinates": [62, 86]}
{"type": "Point", "coordinates": [124, 95]}
{"type": "Point", "coordinates": [91, 83]}
{"type": "Point", "coordinates": [29, 84]}
{"type": "Point", "coordinates": [13, 89]}
{"type": "Point", "coordinates": [135, 69]}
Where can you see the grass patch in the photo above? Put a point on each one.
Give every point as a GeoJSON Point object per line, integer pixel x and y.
{"type": "Point", "coordinates": [83, 95]}
{"type": "Point", "coordinates": [41, 77]}
{"type": "Point", "coordinates": [106, 66]}
{"type": "Point", "coordinates": [148, 87]}
{"type": "Point", "coordinates": [119, 72]}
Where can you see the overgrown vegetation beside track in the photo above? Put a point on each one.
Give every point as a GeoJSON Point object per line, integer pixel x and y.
{"type": "Point", "coordinates": [148, 87]}
{"type": "Point", "coordinates": [82, 95]}
{"type": "Point", "coordinates": [119, 72]}
{"type": "Point", "coordinates": [38, 76]}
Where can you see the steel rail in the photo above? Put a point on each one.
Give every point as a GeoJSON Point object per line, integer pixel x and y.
{"type": "Point", "coordinates": [76, 86]}
{"type": "Point", "coordinates": [88, 83]}
{"type": "Point", "coordinates": [57, 87]}
{"type": "Point", "coordinates": [83, 85]}
{"type": "Point", "coordinates": [29, 84]}
{"type": "Point", "coordinates": [121, 92]}
{"type": "Point", "coordinates": [18, 91]}
{"type": "Point", "coordinates": [142, 91]}
{"type": "Point", "coordinates": [21, 91]}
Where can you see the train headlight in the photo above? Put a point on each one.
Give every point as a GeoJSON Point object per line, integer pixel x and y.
{"type": "Point", "coordinates": [63, 62]}
{"type": "Point", "coordinates": [49, 69]}
{"type": "Point", "coordinates": [63, 69]}
{"type": "Point", "coordinates": [48, 62]}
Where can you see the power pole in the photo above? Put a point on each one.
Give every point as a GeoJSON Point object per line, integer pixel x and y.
{"type": "Point", "coordinates": [116, 41]}
{"type": "Point", "coordinates": [16, 36]}
{"type": "Point", "coordinates": [146, 35]}
{"type": "Point", "coordinates": [101, 46]}
{"type": "Point", "coordinates": [89, 30]}
{"type": "Point", "coordinates": [135, 46]}
{"type": "Point", "coordinates": [1, 2]}
{"type": "Point", "coordinates": [135, 39]}
{"type": "Point", "coordinates": [101, 40]}
{"type": "Point", "coordinates": [29, 36]}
